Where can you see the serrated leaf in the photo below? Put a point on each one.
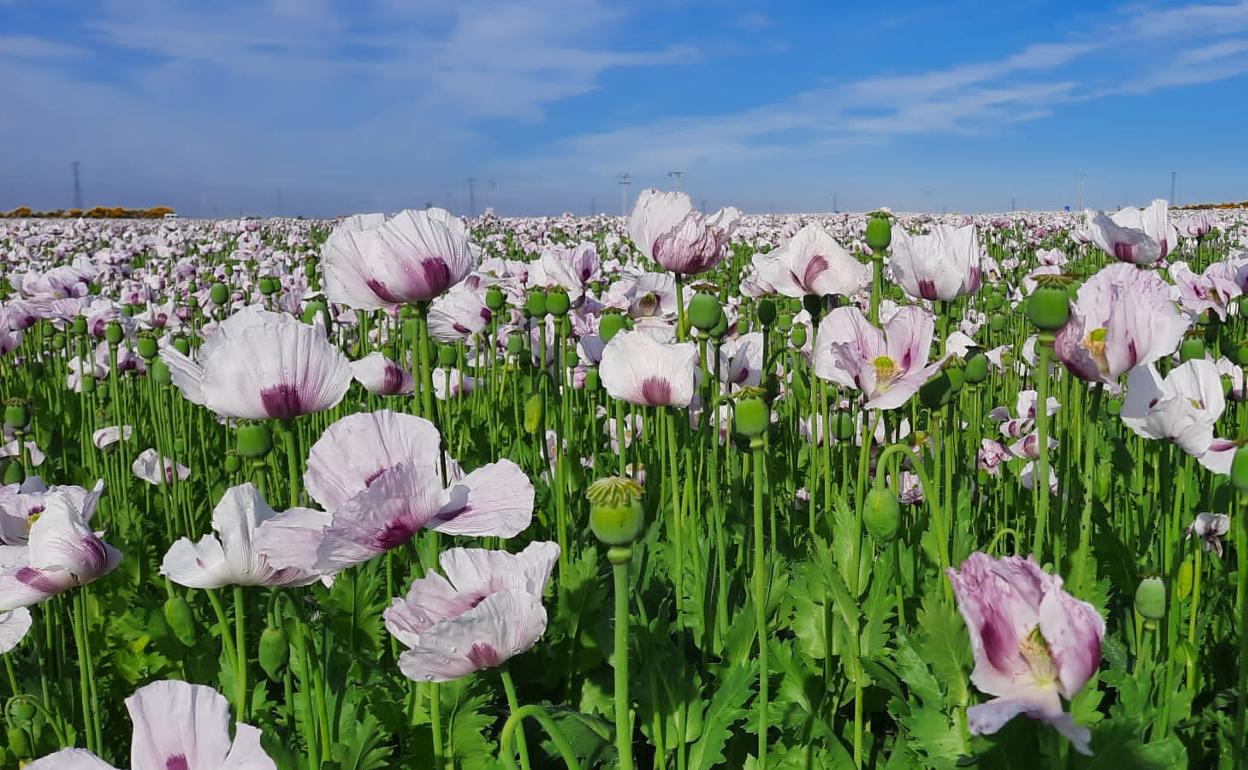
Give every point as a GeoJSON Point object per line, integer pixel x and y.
{"type": "Point", "coordinates": [727, 707]}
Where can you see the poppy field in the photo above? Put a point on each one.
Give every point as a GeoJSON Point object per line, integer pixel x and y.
{"type": "Point", "coordinates": [676, 490]}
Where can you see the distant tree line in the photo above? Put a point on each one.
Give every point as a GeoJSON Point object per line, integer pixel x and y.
{"type": "Point", "coordinates": [1207, 206]}
{"type": "Point", "coordinates": [98, 212]}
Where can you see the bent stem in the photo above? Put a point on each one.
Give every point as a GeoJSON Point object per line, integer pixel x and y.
{"type": "Point", "coordinates": [227, 643]}
{"type": "Point", "coordinates": [513, 703]}
{"type": "Point", "coordinates": [556, 735]}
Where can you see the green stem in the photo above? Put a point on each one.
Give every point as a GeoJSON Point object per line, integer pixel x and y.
{"type": "Point", "coordinates": [1041, 479]}
{"type": "Point", "coordinates": [513, 703]}
{"type": "Point", "coordinates": [760, 595]}
{"type": "Point", "coordinates": [619, 558]}
{"type": "Point", "coordinates": [240, 648]}
{"type": "Point", "coordinates": [556, 735]}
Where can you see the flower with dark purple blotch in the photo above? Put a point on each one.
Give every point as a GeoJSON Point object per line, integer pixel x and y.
{"type": "Point", "coordinates": [61, 553]}
{"type": "Point", "coordinates": [262, 365]}
{"type": "Point", "coordinates": [370, 263]}
{"type": "Point", "coordinates": [177, 726]}
{"type": "Point", "coordinates": [665, 227]}
{"type": "Point", "coordinates": [641, 370]}
{"type": "Point", "coordinates": [940, 265]}
{"type": "Point", "coordinates": [487, 610]}
{"type": "Point", "coordinates": [888, 366]}
{"type": "Point", "coordinates": [1034, 644]}
{"type": "Point", "coordinates": [1137, 236]}
{"type": "Point", "coordinates": [1210, 527]}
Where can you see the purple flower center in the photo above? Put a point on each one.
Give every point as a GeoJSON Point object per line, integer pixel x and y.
{"type": "Point", "coordinates": [484, 655]}
{"type": "Point", "coordinates": [927, 289]}
{"type": "Point", "coordinates": [394, 534]}
{"type": "Point", "coordinates": [383, 293]}
{"type": "Point", "coordinates": [817, 265]}
{"type": "Point", "coordinates": [1124, 251]}
{"type": "Point", "coordinates": [437, 275]}
{"type": "Point", "coordinates": [177, 762]}
{"type": "Point", "coordinates": [392, 380]}
{"type": "Point", "coordinates": [36, 579]}
{"type": "Point", "coordinates": [282, 402]}
{"type": "Point", "coordinates": [656, 391]}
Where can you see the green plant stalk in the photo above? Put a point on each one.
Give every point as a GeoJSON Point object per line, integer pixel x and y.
{"type": "Point", "coordinates": [1241, 596]}
{"type": "Point", "coordinates": [240, 647]}
{"type": "Point", "coordinates": [1197, 568]}
{"type": "Point", "coordinates": [440, 760]}
{"type": "Point", "coordinates": [556, 735]}
{"type": "Point", "coordinates": [79, 621]}
{"type": "Point", "coordinates": [513, 703]}
{"type": "Point", "coordinates": [1044, 349]}
{"type": "Point", "coordinates": [877, 286]}
{"type": "Point", "coordinates": [760, 595]}
{"type": "Point", "coordinates": [620, 558]}
{"type": "Point", "coordinates": [227, 641]}
{"type": "Point", "coordinates": [1082, 568]}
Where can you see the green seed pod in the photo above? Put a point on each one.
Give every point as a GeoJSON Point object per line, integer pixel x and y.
{"type": "Point", "coordinates": [268, 285]}
{"type": "Point", "coordinates": [446, 355]}
{"type": "Point", "coordinates": [79, 326]}
{"type": "Point", "coordinates": [148, 348]}
{"type": "Point", "coordinates": [233, 463]}
{"type": "Point", "coordinates": [798, 335]}
{"type": "Point", "coordinates": [1113, 407]}
{"type": "Point", "coordinates": [1150, 598]}
{"type": "Point", "coordinates": [254, 440]}
{"type": "Point", "coordinates": [1243, 305]}
{"type": "Point", "coordinates": [180, 619]}
{"type": "Point", "coordinates": [219, 293]}
{"type": "Point", "coordinates": [784, 322]}
{"type": "Point", "coordinates": [1241, 353]}
{"type": "Point", "coordinates": [22, 712]}
{"type": "Point", "coordinates": [557, 302]}
{"type": "Point", "coordinates": [1239, 469]}
{"type": "Point", "coordinates": [182, 345]}
{"type": "Point", "coordinates": [58, 340]}
{"type": "Point", "coordinates": [1227, 384]}
{"type": "Point", "coordinates": [535, 304]}
{"type": "Point", "coordinates": [1192, 347]}
{"type": "Point", "coordinates": [312, 310]}
{"type": "Point", "coordinates": [159, 371]}
{"type": "Point", "coordinates": [88, 383]}
{"type": "Point", "coordinates": [879, 232]}
{"type": "Point", "coordinates": [1048, 307]}
{"type": "Point", "coordinates": [997, 322]}
{"type": "Point", "coordinates": [495, 299]}
{"type": "Point", "coordinates": [1186, 574]}
{"type": "Point", "coordinates": [533, 409]}
{"type": "Point", "coordinates": [273, 653]}
{"type": "Point", "coordinates": [752, 416]}
{"type": "Point", "coordinates": [113, 333]}
{"type": "Point", "coordinates": [515, 343]}
{"type": "Point", "coordinates": [609, 326]}
{"type": "Point", "coordinates": [766, 311]}
{"type": "Point", "coordinates": [18, 744]}
{"type": "Point", "coordinates": [17, 414]}
{"type": "Point", "coordinates": [843, 427]}
{"type": "Point", "coordinates": [881, 513]}
{"type": "Point", "coordinates": [976, 370]}
{"type": "Point", "coordinates": [592, 381]}
{"type": "Point", "coordinates": [616, 516]}
{"type": "Point", "coordinates": [704, 311]}
{"type": "Point", "coordinates": [941, 389]}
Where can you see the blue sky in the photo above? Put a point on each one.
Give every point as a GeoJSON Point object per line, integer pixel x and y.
{"type": "Point", "coordinates": [355, 106]}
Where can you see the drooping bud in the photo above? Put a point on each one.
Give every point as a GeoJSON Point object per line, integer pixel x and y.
{"type": "Point", "coordinates": [1239, 469]}
{"type": "Point", "coordinates": [180, 619]}
{"type": "Point", "coordinates": [881, 514]}
{"type": "Point", "coordinates": [1150, 598]}
{"type": "Point", "coordinates": [273, 653]}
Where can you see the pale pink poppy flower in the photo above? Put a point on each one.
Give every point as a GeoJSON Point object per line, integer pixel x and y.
{"type": "Point", "coordinates": [233, 556]}
{"type": "Point", "coordinates": [887, 366]}
{"type": "Point", "coordinates": [156, 470]}
{"type": "Point", "coordinates": [940, 265]}
{"type": "Point", "coordinates": [14, 625]}
{"type": "Point", "coordinates": [378, 475]}
{"type": "Point", "coordinates": [1182, 408]}
{"type": "Point", "coordinates": [262, 365]}
{"type": "Point", "coordinates": [21, 503]}
{"type": "Point", "coordinates": [1212, 290]}
{"type": "Point", "coordinates": [106, 437]}
{"type": "Point", "coordinates": [1197, 225]}
{"type": "Point", "coordinates": [1137, 236]}
{"type": "Point", "coordinates": [571, 268]}
{"type": "Point", "coordinates": [487, 610]}
{"type": "Point", "coordinates": [33, 453]}
{"type": "Point", "coordinates": [1210, 528]}
{"type": "Point", "coordinates": [177, 726]}
{"type": "Point", "coordinates": [381, 376]}
{"type": "Point", "coordinates": [458, 315]}
{"type": "Point", "coordinates": [451, 383]}
{"type": "Point", "coordinates": [811, 262]}
{"type": "Point", "coordinates": [741, 360]}
{"type": "Point", "coordinates": [1122, 317]}
{"type": "Point", "coordinates": [412, 257]}
{"type": "Point", "coordinates": [991, 455]}
{"type": "Point", "coordinates": [61, 553]}
{"type": "Point", "coordinates": [665, 227]}
{"type": "Point", "coordinates": [639, 369]}
{"type": "Point", "coordinates": [1034, 644]}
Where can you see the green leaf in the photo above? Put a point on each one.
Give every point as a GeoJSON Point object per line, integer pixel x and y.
{"type": "Point", "coordinates": [727, 707]}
